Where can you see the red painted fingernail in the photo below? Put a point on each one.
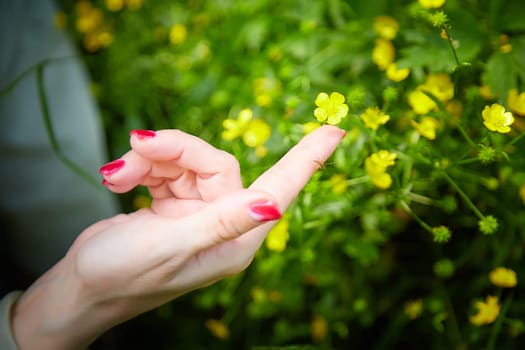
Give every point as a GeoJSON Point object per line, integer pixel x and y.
{"type": "Point", "coordinates": [143, 134]}
{"type": "Point", "coordinates": [264, 211]}
{"type": "Point", "coordinates": [111, 167]}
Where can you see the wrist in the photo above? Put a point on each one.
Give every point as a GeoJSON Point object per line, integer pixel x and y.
{"type": "Point", "coordinates": [54, 313]}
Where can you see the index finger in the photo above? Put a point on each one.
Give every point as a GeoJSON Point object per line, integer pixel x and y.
{"type": "Point", "coordinates": [291, 173]}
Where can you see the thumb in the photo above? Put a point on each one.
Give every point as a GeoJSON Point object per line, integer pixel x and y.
{"type": "Point", "coordinates": [229, 217]}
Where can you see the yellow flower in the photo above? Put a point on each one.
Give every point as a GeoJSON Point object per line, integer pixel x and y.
{"type": "Point", "coordinates": [373, 117]}
{"type": "Point", "coordinates": [338, 183]}
{"type": "Point", "coordinates": [257, 133]}
{"type": "Point", "coordinates": [503, 277]}
{"type": "Point", "coordinates": [395, 74]}
{"type": "Point", "coordinates": [516, 101]}
{"type": "Point", "coordinates": [134, 4]}
{"type": "Point", "coordinates": [496, 119]}
{"type": "Point", "coordinates": [89, 19]}
{"type": "Point", "coordinates": [254, 132]}
{"type": "Point", "coordinates": [330, 109]}
{"type": "Point", "coordinates": [487, 311]}
{"type": "Point", "coordinates": [386, 27]}
{"type": "Point", "coordinates": [421, 103]}
{"type": "Point", "coordinates": [383, 53]}
{"type": "Point", "coordinates": [265, 89]}
{"type": "Point", "coordinates": [426, 128]}
{"type": "Point", "coordinates": [278, 236]}
{"type": "Point", "coordinates": [431, 4]}
{"type": "Point", "coordinates": [236, 127]}
{"type": "Point", "coordinates": [376, 165]}
{"type": "Point", "coordinates": [485, 92]}
{"type": "Point", "coordinates": [114, 5]}
{"type": "Point", "coordinates": [178, 34]}
{"type": "Point", "coordinates": [413, 308]}
{"type": "Point", "coordinates": [522, 193]}
{"type": "Point", "coordinates": [218, 329]}
{"type": "Point", "coordinates": [440, 86]}
{"type": "Point", "coordinates": [319, 328]}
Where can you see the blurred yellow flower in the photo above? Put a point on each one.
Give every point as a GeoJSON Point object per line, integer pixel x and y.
{"type": "Point", "coordinates": [376, 165]}
{"type": "Point", "coordinates": [114, 5]}
{"type": "Point", "coordinates": [89, 19]}
{"type": "Point", "coordinates": [440, 86]}
{"type": "Point", "coordinates": [413, 308]}
{"type": "Point", "coordinates": [516, 102]}
{"type": "Point", "coordinates": [218, 329]}
{"type": "Point", "coordinates": [426, 128]}
{"type": "Point", "coordinates": [383, 53]}
{"type": "Point", "coordinates": [134, 4]}
{"type": "Point", "coordinates": [178, 34]}
{"type": "Point", "coordinates": [278, 237]}
{"type": "Point", "coordinates": [495, 118]}
{"type": "Point", "coordinates": [485, 92]}
{"type": "Point", "coordinates": [431, 4]}
{"type": "Point", "coordinates": [487, 313]}
{"type": "Point", "coordinates": [265, 89]}
{"type": "Point", "coordinates": [319, 328]}
{"type": "Point", "coordinates": [420, 102]}
{"type": "Point", "coordinates": [330, 109]}
{"type": "Point", "coordinates": [254, 132]}
{"type": "Point", "coordinates": [386, 27]}
{"type": "Point", "coordinates": [338, 183]}
{"type": "Point", "coordinates": [522, 193]}
{"type": "Point", "coordinates": [503, 277]}
{"type": "Point", "coordinates": [395, 74]}
{"type": "Point", "coordinates": [373, 117]}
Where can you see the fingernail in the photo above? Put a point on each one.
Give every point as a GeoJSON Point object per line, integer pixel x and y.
{"type": "Point", "coordinates": [143, 134]}
{"type": "Point", "coordinates": [264, 211]}
{"type": "Point", "coordinates": [111, 167]}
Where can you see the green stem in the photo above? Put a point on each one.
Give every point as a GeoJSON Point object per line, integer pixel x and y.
{"type": "Point", "coordinates": [423, 224]}
{"type": "Point", "coordinates": [451, 45]}
{"type": "Point", "coordinates": [467, 161]}
{"type": "Point", "coordinates": [465, 135]}
{"type": "Point", "coordinates": [464, 196]}
{"type": "Point", "coordinates": [516, 139]}
{"type": "Point", "coordinates": [51, 132]}
{"type": "Point", "coordinates": [358, 180]}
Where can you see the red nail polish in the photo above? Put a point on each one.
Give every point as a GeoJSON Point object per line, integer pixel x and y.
{"type": "Point", "coordinates": [142, 134]}
{"type": "Point", "coordinates": [111, 167]}
{"type": "Point", "coordinates": [106, 183]}
{"type": "Point", "coordinates": [264, 211]}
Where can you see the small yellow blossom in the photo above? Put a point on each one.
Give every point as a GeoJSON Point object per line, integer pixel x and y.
{"type": "Point", "coordinates": [516, 102]}
{"type": "Point", "coordinates": [278, 237]}
{"type": "Point", "coordinates": [218, 329]}
{"type": "Point", "coordinates": [488, 311]}
{"type": "Point", "coordinates": [503, 277]}
{"type": "Point", "coordinates": [134, 4]}
{"type": "Point", "coordinates": [330, 109]}
{"type": "Point", "coordinates": [265, 90]}
{"type": "Point", "coordinates": [234, 128]}
{"type": "Point", "coordinates": [178, 34]}
{"type": "Point", "coordinates": [254, 132]}
{"type": "Point", "coordinates": [373, 117]}
{"type": "Point", "coordinates": [338, 183]}
{"type": "Point", "coordinates": [431, 4]}
{"type": "Point", "coordinates": [495, 118]}
{"type": "Point", "coordinates": [522, 193]}
{"type": "Point", "coordinates": [439, 85]}
{"type": "Point", "coordinates": [383, 53]}
{"type": "Point", "coordinates": [257, 133]}
{"type": "Point", "coordinates": [114, 5]}
{"type": "Point", "coordinates": [395, 74]}
{"type": "Point", "coordinates": [413, 308]}
{"type": "Point", "coordinates": [386, 27]}
{"type": "Point", "coordinates": [319, 328]}
{"type": "Point", "coordinates": [309, 127]}
{"type": "Point", "coordinates": [420, 102]}
{"type": "Point", "coordinates": [376, 165]}
{"type": "Point", "coordinates": [88, 20]}
{"type": "Point", "coordinates": [426, 128]}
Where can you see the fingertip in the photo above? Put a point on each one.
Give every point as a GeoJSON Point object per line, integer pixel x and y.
{"type": "Point", "coordinates": [142, 134]}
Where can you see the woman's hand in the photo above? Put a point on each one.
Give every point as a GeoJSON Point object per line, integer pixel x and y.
{"type": "Point", "coordinates": [202, 226]}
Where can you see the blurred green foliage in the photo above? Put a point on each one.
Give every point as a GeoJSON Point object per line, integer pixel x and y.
{"type": "Point", "coordinates": [363, 267]}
